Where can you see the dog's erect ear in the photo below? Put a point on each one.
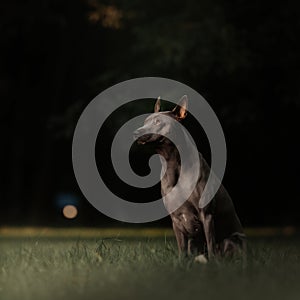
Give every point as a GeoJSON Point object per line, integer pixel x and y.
{"type": "Point", "coordinates": [157, 105]}
{"type": "Point", "coordinates": [180, 110]}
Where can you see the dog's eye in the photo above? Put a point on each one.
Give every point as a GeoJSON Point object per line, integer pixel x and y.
{"type": "Point", "coordinates": [156, 122]}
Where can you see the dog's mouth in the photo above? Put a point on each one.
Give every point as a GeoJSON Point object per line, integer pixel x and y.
{"type": "Point", "coordinates": [150, 138]}
{"type": "Point", "coordinates": [146, 138]}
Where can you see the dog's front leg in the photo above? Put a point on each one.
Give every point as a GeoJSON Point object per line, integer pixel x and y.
{"type": "Point", "coordinates": [182, 241]}
{"type": "Point", "coordinates": [209, 230]}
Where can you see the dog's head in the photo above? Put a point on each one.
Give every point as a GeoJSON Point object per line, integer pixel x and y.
{"type": "Point", "coordinates": [160, 123]}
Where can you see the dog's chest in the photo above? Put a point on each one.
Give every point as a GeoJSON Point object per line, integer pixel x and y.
{"type": "Point", "coordinates": [188, 217]}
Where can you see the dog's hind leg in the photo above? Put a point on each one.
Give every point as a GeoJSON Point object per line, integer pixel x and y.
{"type": "Point", "coordinates": [236, 246]}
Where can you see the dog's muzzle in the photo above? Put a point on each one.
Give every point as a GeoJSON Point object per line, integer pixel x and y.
{"type": "Point", "coordinates": [139, 136]}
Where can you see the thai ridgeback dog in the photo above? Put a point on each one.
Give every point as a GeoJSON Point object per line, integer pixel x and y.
{"type": "Point", "coordinates": [214, 230]}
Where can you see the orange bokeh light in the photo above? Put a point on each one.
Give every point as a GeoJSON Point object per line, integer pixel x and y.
{"type": "Point", "coordinates": [70, 211]}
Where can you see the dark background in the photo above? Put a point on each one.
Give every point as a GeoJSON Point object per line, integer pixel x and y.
{"type": "Point", "coordinates": [56, 56]}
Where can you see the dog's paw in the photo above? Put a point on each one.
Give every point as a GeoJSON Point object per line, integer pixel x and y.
{"type": "Point", "coordinates": [201, 259]}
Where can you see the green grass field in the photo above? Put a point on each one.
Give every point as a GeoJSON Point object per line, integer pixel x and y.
{"type": "Point", "coordinates": [49, 267]}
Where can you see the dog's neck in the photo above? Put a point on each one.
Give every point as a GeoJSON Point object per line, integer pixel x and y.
{"type": "Point", "coordinates": [171, 165]}
{"type": "Point", "coordinates": [181, 166]}
{"type": "Point", "coordinates": [169, 152]}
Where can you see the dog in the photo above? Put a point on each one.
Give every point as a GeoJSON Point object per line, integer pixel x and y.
{"type": "Point", "coordinates": [214, 230]}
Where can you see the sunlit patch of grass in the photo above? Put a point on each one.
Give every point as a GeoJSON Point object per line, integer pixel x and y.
{"type": "Point", "coordinates": [83, 232]}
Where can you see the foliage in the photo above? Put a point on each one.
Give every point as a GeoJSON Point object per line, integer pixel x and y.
{"type": "Point", "coordinates": [242, 56]}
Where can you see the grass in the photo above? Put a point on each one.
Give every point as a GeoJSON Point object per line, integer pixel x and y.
{"type": "Point", "coordinates": [143, 268]}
